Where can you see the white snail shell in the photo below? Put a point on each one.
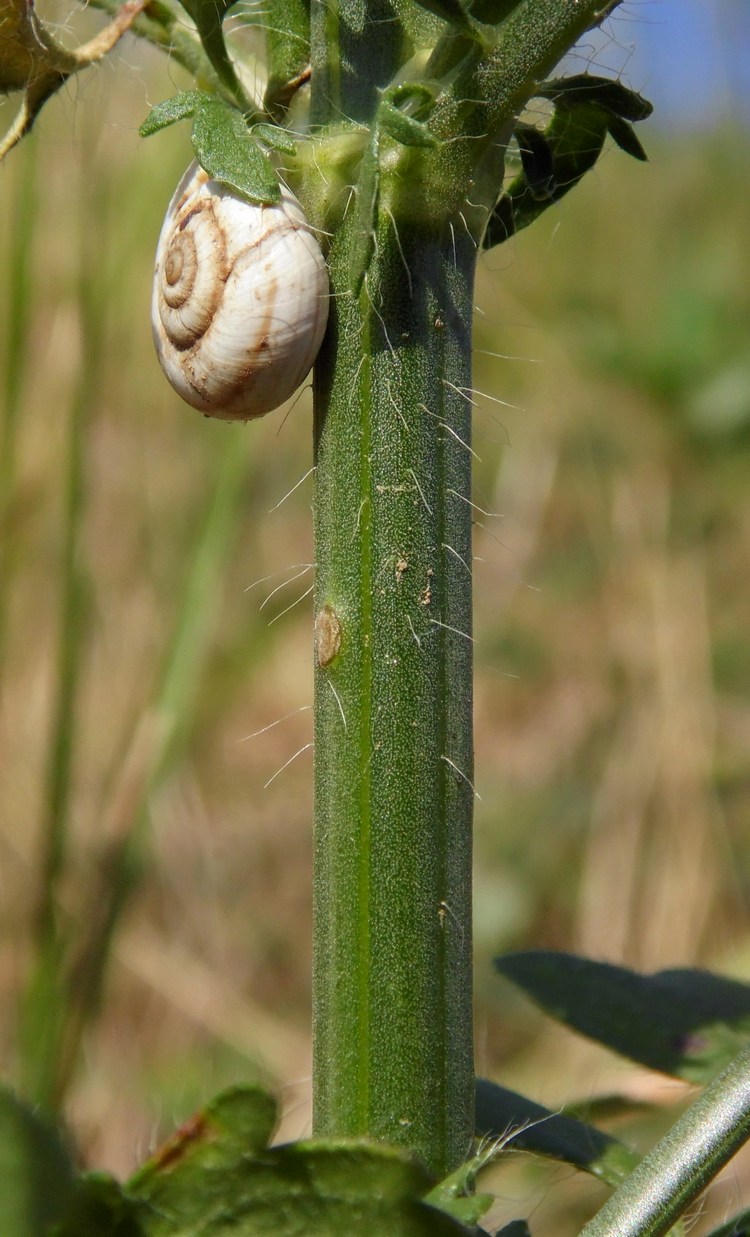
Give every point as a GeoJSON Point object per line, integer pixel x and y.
{"type": "Point", "coordinates": [240, 299]}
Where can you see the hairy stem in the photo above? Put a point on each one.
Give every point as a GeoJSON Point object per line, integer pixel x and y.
{"type": "Point", "coordinates": [393, 742]}
{"type": "Point", "coordinates": [393, 713]}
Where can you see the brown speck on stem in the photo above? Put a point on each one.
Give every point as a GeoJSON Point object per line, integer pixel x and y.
{"type": "Point", "coordinates": [327, 635]}
{"type": "Point", "coordinates": [425, 597]}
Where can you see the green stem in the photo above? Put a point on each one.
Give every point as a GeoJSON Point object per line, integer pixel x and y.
{"type": "Point", "coordinates": [671, 1177]}
{"type": "Point", "coordinates": [161, 26]}
{"type": "Point", "coordinates": [43, 1007]}
{"type": "Point", "coordinates": [485, 93]}
{"type": "Point", "coordinates": [393, 738]}
{"type": "Point", "coordinates": [393, 690]}
{"type": "Point", "coordinates": [18, 307]}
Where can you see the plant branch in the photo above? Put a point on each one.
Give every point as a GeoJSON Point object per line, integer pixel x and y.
{"type": "Point", "coordinates": [668, 1180]}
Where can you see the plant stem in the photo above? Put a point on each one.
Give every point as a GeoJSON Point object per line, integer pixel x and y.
{"type": "Point", "coordinates": [393, 737]}
{"type": "Point", "coordinates": [18, 305]}
{"type": "Point", "coordinates": [665, 1183]}
{"type": "Point", "coordinates": [162, 26]}
{"type": "Point", "coordinates": [393, 689]}
{"type": "Point", "coordinates": [43, 1007]}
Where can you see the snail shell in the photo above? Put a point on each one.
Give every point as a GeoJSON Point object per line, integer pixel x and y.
{"type": "Point", "coordinates": [240, 299]}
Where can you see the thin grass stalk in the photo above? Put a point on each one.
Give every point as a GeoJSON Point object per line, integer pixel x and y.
{"type": "Point", "coordinates": [43, 1007]}
{"type": "Point", "coordinates": [18, 308]}
{"type": "Point", "coordinates": [156, 745]}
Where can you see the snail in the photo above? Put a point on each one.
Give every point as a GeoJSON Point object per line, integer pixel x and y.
{"type": "Point", "coordinates": [240, 298]}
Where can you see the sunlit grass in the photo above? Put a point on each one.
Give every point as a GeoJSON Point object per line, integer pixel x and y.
{"type": "Point", "coordinates": [613, 642]}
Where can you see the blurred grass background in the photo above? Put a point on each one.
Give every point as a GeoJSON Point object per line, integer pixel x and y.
{"type": "Point", "coordinates": [155, 625]}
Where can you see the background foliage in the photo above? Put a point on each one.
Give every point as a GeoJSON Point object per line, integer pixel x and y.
{"type": "Point", "coordinates": [613, 642]}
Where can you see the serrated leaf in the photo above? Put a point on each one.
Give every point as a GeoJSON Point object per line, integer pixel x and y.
{"type": "Point", "coordinates": [588, 88]}
{"type": "Point", "coordinates": [575, 142]}
{"type": "Point", "coordinates": [687, 1023]}
{"type": "Point", "coordinates": [586, 109]}
{"type": "Point", "coordinates": [576, 137]}
{"type": "Point", "coordinates": [528, 1126]}
{"type": "Point", "coordinates": [738, 1226]}
{"type": "Point", "coordinates": [179, 107]}
{"type": "Point", "coordinates": [219, 1178]}
{"type": "Point", "coordinates": [36, 1174]}
{"type": "Point", "coordinates": [224, 148]}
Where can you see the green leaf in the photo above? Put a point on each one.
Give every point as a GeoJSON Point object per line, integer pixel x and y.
{"type": "Point", "coordinates": [275, 137]}
{"type": "Point", "coordinates": [224, 148]}
{"type": "Point", "coordinates": [687, 1023]}
{"type": "Point", "coordinates": [528, 1126]}
{"type": "Point", "coordinates": [587, 88]}
{"type": "Point", "coordinates": [456, 1193]}
{"type": "Point", "coordinates": [222, 142]}
{"type": "Point", "coordinates": [738, 1226]}
{"type": "Point", "coordinates": [625, 137]}
{"type": "Point", "coordinates": [239, 1121]}
{"type": "Point", "coordinates": [402, 127]}
{"type": "Point", "coordinates": [574, 139]}
{"type": "Point", "coordinates": [36, 1174]}
{"type": "Point", "coordinates": [179, 107]}
{"type": "Point", "coordinates": [555, 159]}
{"type": "Point", "coordinates": [416, 98]}
{"type": "Point", "coordinates": [537, 160]}
{"type": "Point", "coordinates": [100, 1208]}
{"type": "Point", "coordinates": [217, 1177]}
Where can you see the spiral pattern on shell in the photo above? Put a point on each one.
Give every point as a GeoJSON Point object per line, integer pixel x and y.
{"type": "Point", "coordinates": [240, 298]}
